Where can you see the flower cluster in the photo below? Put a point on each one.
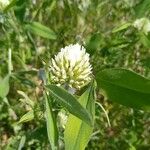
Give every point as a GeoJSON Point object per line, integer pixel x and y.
{"type": "Point", "coordinates": [4, 3]}
{"type": "Point", "coordinates": [142, 24]}
{"type": "Point", "coordinates": [71, 67]}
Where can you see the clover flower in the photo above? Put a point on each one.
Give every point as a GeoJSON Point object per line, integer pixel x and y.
{"type": "Point", "coordinates": [142, 24]}
{"type": "Point", "coordinates": [62, 116]}
{"type": "Point", "coordinates": [4, 3]}
{"type": "Point", "coordinates": [71, 67]}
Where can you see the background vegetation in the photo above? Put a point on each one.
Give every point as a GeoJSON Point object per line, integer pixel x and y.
{"type": "Point", "coordinates": [26, 46]}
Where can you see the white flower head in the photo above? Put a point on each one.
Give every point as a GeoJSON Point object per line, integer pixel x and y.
{"type": "Point", "coordinates": [71, 67]}
{"type": "Point", "coordinates": [4, 3]}
{"type": "Point", "coordinates": [142, 24]}
{"type": "Point", "coordinates": [62, 116]}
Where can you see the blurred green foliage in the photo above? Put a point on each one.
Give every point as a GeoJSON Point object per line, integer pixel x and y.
{"type": "Point", "coordinates": [33, 31]}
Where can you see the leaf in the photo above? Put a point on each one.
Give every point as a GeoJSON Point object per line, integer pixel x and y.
{"type": "Point", "coordinates": [122, 27]}
{"type": "Point", "coordinates": [94, 43]}
{"type": "Point", "coordinates": [77, 133]}
{"type": "Point", "coordinates": [39, 134]}
{"type": "Point", "coordinates": [20, 10]}
{"type": "Point", "coordinates": [144, 40]}
{"type": "Point", "coordinates": [125, 87]}
{"type": "Point", "coordinates": [31, 72]}
{"type": "Point", "coordinates": [51, 125]}
{"type": "Point", "coordinates": [41, 30]}
{"type": "Point", "coordinates": [23, 80]}
{"type": "Point", "coordinates": [22, 142]}
{"type": "Point", "coordinates": [69, 102]}
{"type": "Point", "coordinates": [27, 117]}
{"type": "Point", "coordinates": [142, 8]}
{"type": "Point", "coordinates": [4, 86]}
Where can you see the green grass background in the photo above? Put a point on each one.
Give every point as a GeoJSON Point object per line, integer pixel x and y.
{"type": "Point", "coordinates": [90, 23]}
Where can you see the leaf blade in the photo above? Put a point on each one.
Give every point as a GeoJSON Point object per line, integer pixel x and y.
{"type": "Point", "coordinates": [77, 133]}
{"type": "Point", "coordinates": [4, 87]}
{"type": "Point", "coordinates": [69, 102]}
{"type": "Point", "coordinates": [125, 87]}
{"type": "Point", "coordinates": [41, 30]}
{"type": "Point", "coordinates": [27, 117]}
{"type": "Point", "coordinates": [51, 125]}
{"type": "Point", "coordinates": [122, 27]}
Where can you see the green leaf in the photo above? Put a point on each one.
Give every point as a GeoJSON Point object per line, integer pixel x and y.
{"type": "Point", "coordinates": [51, 125]}
{"type": "Point", "coordinates": [142, 8]}
{"type": "Point", "coordinates": [27, 117]}
{"type": "Point", "coordinates": [77, 133]}
{"type": "Point", "coordinates": [22, 142]}
{"type": "Point", "coordinates": [125, 87]}
{"type": "Point", "coordinates": [94, 43]}
{"type": "Point", "coordinates": [122, 27]}
{"type": "Point", "coordinates": [70, 103]}
{"type": "Point", "coordinates": [144, 40]}
{"type": "Point", "coordinates": [41, 30]}
{"type": "Point", "coordinates": [4, 86]}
